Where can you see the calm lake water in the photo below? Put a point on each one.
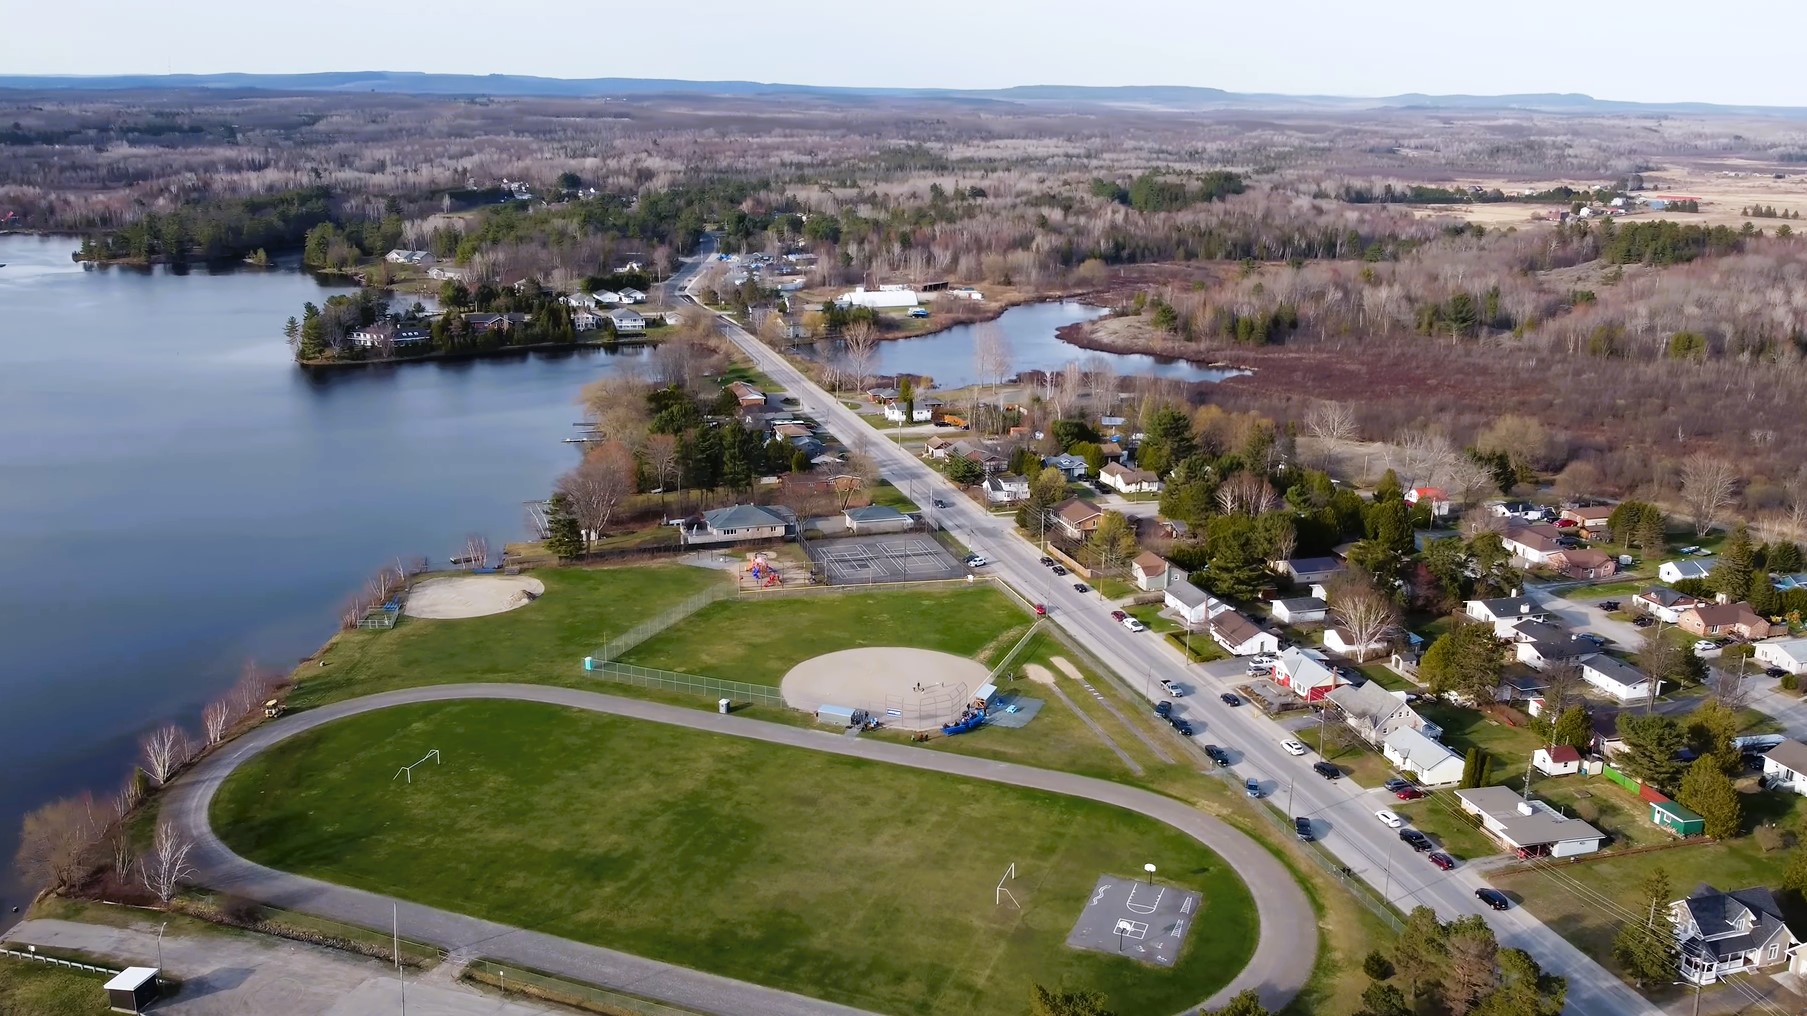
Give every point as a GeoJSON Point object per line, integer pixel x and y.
{"type": "Point", "coordinates": [1029, 329]}
{"type": "Point", "coordinates": [176, 497]}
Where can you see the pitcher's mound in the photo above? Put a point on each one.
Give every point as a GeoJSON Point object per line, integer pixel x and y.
{"type": "Point", "coordinates": [916, 689]}
{"type": "Point", "coordinates": [471, 596]}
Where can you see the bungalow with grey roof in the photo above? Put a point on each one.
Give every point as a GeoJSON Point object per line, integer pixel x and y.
{"type": "Point", "coordinates": [737, 523]}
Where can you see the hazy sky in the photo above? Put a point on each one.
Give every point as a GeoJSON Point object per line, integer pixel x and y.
{"type": "Point", "coordinates": [1653, 50]}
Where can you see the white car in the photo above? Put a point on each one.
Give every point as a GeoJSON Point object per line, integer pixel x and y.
{"type": "Point", "coordinates": [1293, 747]}
{"type": "Point", "coordinates": [1706, 646]}
{"type": "Point", "coordinates": [1262, 659]}
{"type": "Point", "coordinates": [1134, 625]}
{"type": "Point", "coordinates": [976, 561]}
{"type": "Point", "coordinates": [1172, 689]}
{"type": "Point", "coordinates": [1388, 819]}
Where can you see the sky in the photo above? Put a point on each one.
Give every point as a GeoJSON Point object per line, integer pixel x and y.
{"type": "Point", "coordinates": [1653, 51]}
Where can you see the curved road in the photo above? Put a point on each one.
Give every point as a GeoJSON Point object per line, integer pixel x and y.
{"type": "Point", "coordinates": [1283, 958]}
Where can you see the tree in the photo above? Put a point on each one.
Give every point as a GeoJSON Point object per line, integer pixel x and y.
{"type": "Point", "coordinates": [1472, 971]}
{"type": "Point", "coordinates": [166, 866]}
{"type": "Point", "coordinates": [215, 719]}
{"type": "Point", "coordinates": [1333, 424]}
{"type": "Point", "coordinates": [1524, 989]}
{"type": "Point", "coordinates": [1168, 442]}
{"type": "Point", "coordinates": [859, 342]}
{"type": "Point", "coordinates": [1651, 743]}
{"type": "Point", "coordinates": [1572, 728]}
{"type": "Point", "coordinates": [1245, 1003]}
{"type": "Point", "coordinates": [1238, 568]}
{"type": "Point", "coordinates": [1646, 947]}
{"type": "Point", "coordinates": [1732, 575]}
{"type": "Point", "coordinates": [1709, 485]}
{"type": "Point", "coordinates": [1711, 731]}
{"type": "Point", "coordinates": [291, 332]}
{"type": "Point", "coordinates": [1467, 660]}
{"type": "Point", "coordinates": [1046, 490]}
{"type": "Point", "coordinates": [1562, 685]}
{"type": "Point", "coordinates": [1708, 792]}
{"type": "Point", "coordinates": [1247, 493]}
{"type": "Point", "coordinates": [564, 534]}
{"type": "Point", "coordinates": [906, 394]}
{"type": "Point", "coordinates": [1383, 1000]}
{"type": "Point", "coordinates": [54, 840]}
{"type": "Point", "coordinates": [164, 750]}
{"type": "Point", "coordinates": [1114, 540]}
{"type": "Point", "coordinates": [1474, 768]}
{"type": "Point", "coordinates": [661, 456]}
{"type": "Point", "coordinates": [1368, 614]}
{"type": "Point", "coordinates": [1043, 1002]}
{"type": "Point", "coordinates": [598, 486]}
{"type": "Point", "coordinates": [1420, 950]}
{"type": "Point", "coordinates": [964, 471]}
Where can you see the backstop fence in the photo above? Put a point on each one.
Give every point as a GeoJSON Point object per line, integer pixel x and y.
{"type": "Point", "coordinates": [616, 646]}
{"type": "Point", "coordinates": [669, 680]}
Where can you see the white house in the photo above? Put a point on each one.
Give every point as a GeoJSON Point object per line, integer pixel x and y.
{"type": "Point", "coordinates": [921, 412]}
{"type": "Point", "coordinates": [605, 296]}
{"type": "Point", "coordinates": [1005, 489]}
{"type": "Point", "coordinates": [1129, 481]}
{"type": "Point", "coordinates": [1738, 932]}
{"type": "Point", "coordinates": [1300, 610]}
{"type": "Point", "coordinates": [388, 334]}
{"type": "Point", "coordinates": [1537, 644]}
{"type": "Point", "coordinates": [1434, 497]}
{"type": "Point", "coordinates": [1152, 572]}
{"type": "Point", "coordinates": [1191, 604]}
{"type": "Point", "coordinates": [1787, 654]}
{"type": "Point", "coordinates": [1411, 751]}
{"type": "Point", "coordinates": [1785, 767]}
{"type": "Point", "coordinates": [632, 296]}
{"type": "Point", "coordinates": [1306, 672]}
{"type": "Point", "coordinates": [1374, 713]}
{"type": "Point", "coordinates": [1664, 604]}
{"type": "Point", "coordinates": [1533, 543]}
{"type": "Point", "coordinates": [1338, 639]}
{"type": "Point", "coordinates": [1504, 613]}
{"type": "Point", "coordinates": [879, 299]}
{"type": "Point", "coordinates": [1527, 825]}
{"type": "Point", "coordinates": [1562, 760]}
{"type": "Point", "coordinates": [416, 258]}
{"type": "Point", "coordinates": [1686, 568]}
{"type": "Point", "coordinates": [628, 322]}
{"type": "Point", "coordinates": [1616, 678]}
{"type": "Point", "coordinates": [1240, 636]}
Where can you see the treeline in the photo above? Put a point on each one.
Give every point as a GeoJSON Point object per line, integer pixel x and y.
{"type": "Point", "coordinates": [1422, 194]}
{"type": "Point", "coordinates": [323, 332]}
{"type": "Point", "coordinates": [1662, 242]}
{"type": "Point", "coordinates": [1152, 193]}
{"type": "Point", "coordinates": [217, 230]}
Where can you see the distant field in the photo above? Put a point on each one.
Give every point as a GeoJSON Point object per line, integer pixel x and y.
{"type": "Point", "coordinates": [33, 989]}
{"type": "Point", "coordinates": [867, 884]}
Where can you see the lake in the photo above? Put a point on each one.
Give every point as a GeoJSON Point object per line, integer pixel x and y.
{"type": "Point", "coordinates": [177, 497]}
{"type": "Point", "coordinates": [1029, 331]}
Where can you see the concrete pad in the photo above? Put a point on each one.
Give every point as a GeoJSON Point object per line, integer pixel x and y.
{"type": "Point", "coordinates": [1144, 921]}
{"type": "Point", "coordinates": [461, 596]}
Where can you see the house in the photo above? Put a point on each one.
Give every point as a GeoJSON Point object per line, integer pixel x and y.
{"type": "Point", "coordinates": [1606, 741]}
{"type": "Point", "coordinates": [1338, 639]}
{"type": "Point", "coordinates": [1411, 751]}
{"type": "Point", "coordinates": [1584, 564]}
{"type": "Point", "coordinates": [443, 273]}
{"type": "Point", "coordinates": [1537, 644]}
{"type": "Point", "coordinates": [1127, 480]}
{"type": "Point", "coordinates": [1305, 571]}
{"type": "Point", "coordinates": [579, 301]}
{"type": "Point", "coordinates": [586, 320]}
{"type": "Point", "coordinates": [632, 296]}
{"type": "Point", "coordinates": [748, 396]}
{"type": "Point", "coordinates": [1005, 489]}
{"type": "Point", "coordinates": [1076, 518]}
{"type": "Point", "coordinates": [1785, 767]}
{"type": "Point", "coordinates": [414, 258]}
{"type": "Point", "coordinates": [1528, 826]}
{"type": "Point", "coordinates": [1561, 760]}
{"type": "Point", "coordinates": [1300, 610]}
{"type": "Point", "coordinates": [1151, 571]}
{"type": "Point", "coordinates": [937, 447]}
{"type": "Point", "coordinates": [1786, 654]}
{"type": "Point", "coordinates": [1435, 497]}
{"type": "Point", "coordinates": [1192, 605]}
{"type": "Point", "coordinates": [605, 296]}
{"type": "Point", "coordinates": [736, 523]}
{"type": "Point", "coordinates": [1664, 604]}
{"type": "Point", "coordinates": [482, 322]}
{"type": "Point", "coordinates": [1074, 467]}
{"type": "Point", "coordinates": [1374, 712]}
{"type": "Point", "coordinates": [1621, 680]}
{"type": "Point", "coordinates": [883, 297]}
{"type": "Point", "coordinates": [1240, 636]}
{"type": "Point", "coordinates": [1590, 519]}
{"type": "Point", "coordinates": [1306, 673]}
{"type": "Point", "coordinates": [627, 321]}
{"type": "Point", "coordinates": [1739, 932]}
{"type": "Point", "coordinates": [1687, 568]}
{"type": "Point", "coordinates": [984, 458]}
{"type": "Point", "coordinates": [1721, 619]}
{"type": "Point", "coordinates": [877, 518]}
{"type": "Point", "coordinates": [1504, 613]}
{"type": "Point", "coordinates": [921, 410]}
{"type": "Point", "coordinates": [1113, 452]}
{"type": "Point", "coordinates": [388, 334]}
{"type": "Point", "coordinates": [1533, 544]}
{"type": "Point", "coordinates": [1515, 510]}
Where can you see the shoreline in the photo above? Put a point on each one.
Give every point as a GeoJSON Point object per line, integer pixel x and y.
{"type": "Point", "coordinates": [1078, 335]}
{"type": "Point", "coordinates": [475, 354]}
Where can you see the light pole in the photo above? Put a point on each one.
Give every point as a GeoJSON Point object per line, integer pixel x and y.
{"type": "Point", "coordinates": [1697, 986]}
{"type": "Point", "coordinates": [160, 928]}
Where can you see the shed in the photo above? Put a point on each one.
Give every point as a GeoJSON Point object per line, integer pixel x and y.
{"type": "Point", "coordinates": [840, 716]}
{"type": "Point", "coordinates": [132, 989]}
{"type": "Point", "coordinates": [985, 696]}
{"type": "Point", "coordinates": [1677, 819]}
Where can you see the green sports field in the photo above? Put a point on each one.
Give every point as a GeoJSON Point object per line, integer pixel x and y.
{"type": "Point", "coordinates": [868, 884]}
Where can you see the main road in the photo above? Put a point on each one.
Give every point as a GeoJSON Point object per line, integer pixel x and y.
{"type": "Point", "coordinates": [1342, 814]}
{"type": "Point", "coordinates": [1282, 961]}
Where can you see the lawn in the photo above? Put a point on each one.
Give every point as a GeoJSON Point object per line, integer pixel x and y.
{"type": "Point", "coordinates": [1150, 615]}
{"type": "Point", "coordinates": [542, 643]}
{"type": "Point", "coordinates": [1357, 761]}
{"type": "Point", "coordinates": [884, 493]}
{"type": "Point", "coordinates": [35, 989]}
{"type": "Point", "coordinates": [867, 884]}
{"type": "Point", "coordinates": [1509, 747]}
{"type": "Point", "coordinates": [759, 640]}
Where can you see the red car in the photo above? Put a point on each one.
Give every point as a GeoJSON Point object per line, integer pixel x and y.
{"type": "Point", "coordinates": [1410, 794]}
{"type": "Point", "coordinates": [1565, 523]}
{"type": "Point", "coordinates": [1041, 611]}
{"type": "Point", "coordinates": [1118, 615]}
{"type": "Point", "coordinates": [1443, 861]}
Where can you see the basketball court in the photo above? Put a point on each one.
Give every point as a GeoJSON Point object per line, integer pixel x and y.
{"type": "Point", "coordinates": [1138, 918]}
{"type": "Point", "coordinates": [893, 557]}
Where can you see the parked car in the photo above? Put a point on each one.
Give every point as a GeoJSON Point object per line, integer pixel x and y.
{"type": "Point", "coordinates": [1133, 625]}
{"type": "Point", "coordinates": [1443, 861]}
{"type": "Point", "coordinates": [1252, 787]}
{"type": "Point", "coordinates": [1415, 839]}
{"type": "Point", "coordinates": [1397, 784]}
{"type": "Point", "coordinates": [1643, 621]}
{"type": "Point", "coordinates": [1217, 755]}
{"type": "Point", "coordinates": [1058, 570]}
{"type": "Point", "coordinates": [1263, 658]}
{"type": "Point", "coordinates": [1689, 549]}
{"type": "Point", "coordinates": [1591, 637]}
{"type": "Point", "coordinates": [1229, 700]}
{"type": "Point", "coordinates": [1388, 819]}
{"type": "Point", "coordinates": [937, 502]}
{"type": "Point", "coordinates": [1172, 689]}
{"type": "Point", "coordinates": [1293, 747]}
{"type": "Point", "coordinates": [1775, 672]}
{"type": "Point", "coordinates": [1047, 562]}
{"type": "Point", "coordinates": [1181, 725]}
{"type": "Point", "coordinates": [1565, 523]}
{"type": "Point", "coordinates": [1041, 610]}
{"type": "Point", "coordinates": [1118, 615]}
{"type": "Point", "coordinates": [1260, 669]}
{"type": "Point", "coordinates": [1302, 826]}
{"type": "Point", "coordinates": [1163, 709]}
{"type": "Point", "coordinates": [1493, 898]}
{"type": "Point", "coordinates": [1409, 793]}
{"type": "Point", "coordinates": [1608, 604]}
{"type": "Point", "coordinates": [1705, 646]}
{"type": "Point", "coordinates": [1081, 587]}
{"type": "Point", "coordinates": [1326, 770]}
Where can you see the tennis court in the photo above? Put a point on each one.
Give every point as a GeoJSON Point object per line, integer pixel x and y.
{"type": "Point", "coordinates": [892, 557]}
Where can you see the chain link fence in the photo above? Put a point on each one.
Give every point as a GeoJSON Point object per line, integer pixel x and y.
{"type": "Point", "coordinates": [616, 646]}
{"type": "Point", "coordinates": [557, 989]}
{"type": "Point", "coordinates": [668, 680]}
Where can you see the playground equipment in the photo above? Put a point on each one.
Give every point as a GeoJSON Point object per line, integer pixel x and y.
{"type": "Point", "coordinates": [762, 572]}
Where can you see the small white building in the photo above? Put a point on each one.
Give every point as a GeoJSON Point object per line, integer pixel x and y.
{"type": "Point", "coordinates": [1686, 568]}
{"type": "Point", "coordinates": [1504, 613]}
{"type": "Point", "coordinates": [882, 298]}
{"type": "Point", "coordinates": [1299, 610]}
{"type": "Point", "coordinates": [921, 411]}
{"type": "Point", "coordinates": [1561, 760]}
{"type": "Point", "coordinates": [1527, 825]}
{"type": "Point", "coordinates": [1616, 678]}
{"type": "Point", "coordinates": [1127, 480]}
{"type": "Point", "coordinates": [1664, 604]}
{"type": "Point", "coordinates": [1191, 604]}
{"type": "Point", "coordinates": [1786, 654]}
{"type": "Point", "coordinates": [1412, 751]}
{"type": "Point", "coordinates": [632, 296]}
{"type": "Point", "coordinates": [1785, 767]}
{"type": "Point", "coordinates": [1240, 636]}
{"type": "Point", "coordinates": [1005, 489]}
{"type": "Point", "coordinates": [1338, 639]}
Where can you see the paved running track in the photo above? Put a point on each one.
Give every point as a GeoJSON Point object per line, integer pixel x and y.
{"type": "Point", "coordinates": [1282, 962]}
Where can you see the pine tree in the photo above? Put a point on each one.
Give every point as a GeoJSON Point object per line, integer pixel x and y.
{"type": "Point", "coordinates": [1420, 949]}
{"type": "Point", "coordinates": [1732, 575]}
{"type": "Point", "coordinates": [1646, 947]}
{"type": "Point", "coordinates": [564, 537]}
{"type": "Point", "coordinates": [1708, 792]}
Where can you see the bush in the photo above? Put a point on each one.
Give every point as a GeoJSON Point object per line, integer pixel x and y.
{"type": "Point", "coordinates": [1769, 838]}
{"type": "Point", "coordinates": [1377, 966]}
{"type": "Point", "coordinates": [1791, 682]}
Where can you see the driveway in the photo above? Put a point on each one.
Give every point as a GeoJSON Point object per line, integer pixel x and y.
{"type": "Point", "coordinates": [1582, 615]}
{"type": "Point", "coordinates": [1282, 961]}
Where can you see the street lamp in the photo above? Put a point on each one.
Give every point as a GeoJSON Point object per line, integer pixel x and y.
{"type": "Point", "coordinates": [160, 928]}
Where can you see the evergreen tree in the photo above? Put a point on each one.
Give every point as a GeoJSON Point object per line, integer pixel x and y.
{"type": "Point", "coordinates": [1732, 575]}
{"type": "Point", "coordinates": [1651, 744]}
{"type": "Point", "coordinates": [564, 537]}
{"type": "Point", "coordinates": [1572, 728]}
{"type": "Point", "coordinates": [1646, 947]}
{"type": "Point", "coordinates": [1383, 1000]}
{"type": "Point", "coordinates": [1420, 949]}
{"type": "Point", "coordinates": [737, 470]}
{"type": "Point", "coordinates": [1708, 792]}
{"type": "Point", "coordinates": [1043, 1002]}
{"type": "Point", "coordinates": [1524, 989]}
{"type": "Point", "coordinates": [1245, 1003]}
{"type": "Point", "coordinates": [1472, 971]}
{"type": "Point", "coordinates": [1467, 660]}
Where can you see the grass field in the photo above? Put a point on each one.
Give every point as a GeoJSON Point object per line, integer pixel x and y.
{"type": "Point", "coordinates": [759, 640]}
{"type": "Point", "coordinates": [34, 989]}
{"type": "Point", "coordinates": [542, 643]}
{"type": "Point", "coordinates": [859, 882]}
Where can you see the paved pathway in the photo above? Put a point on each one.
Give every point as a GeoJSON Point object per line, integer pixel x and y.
{"type": "Point", "coordinates": [1283, 958]}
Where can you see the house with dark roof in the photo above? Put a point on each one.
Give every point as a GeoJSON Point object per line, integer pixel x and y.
{"type": "Point", "coordinates": [1537, 644]}
{"type": "Point", "coordinates": [1504, 612]}
{"type": "Point", "coordinates": [1739, 932]}
{"type": "Point", "coordinates": [1528, 826]}
{"type": "Point", "coordinates": [1664, 604]}
{"type": "Point", "coordinates": [737, 523]}
{"type": "Point", "coordinates": [1686, 568]}
{"type": "Point", "coordinates": [1615, 677]}
{"type": "Point", "coordinates": [1305, 571]}
{"type": "Point", "coordinates": [1074, 467]}
{"type": "Point", "coordinates": [1299, 610]}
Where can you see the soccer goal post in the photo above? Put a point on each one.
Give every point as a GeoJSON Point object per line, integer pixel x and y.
{"type": "Point", "coordinates": [1005, 894]}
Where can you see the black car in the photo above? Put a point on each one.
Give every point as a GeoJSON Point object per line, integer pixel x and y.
{"type": "Point", "coordinates": [1182, 726]}
{"type": "Point", "coordinates": [1775, 672]}
{"type": "Point", "coordinates": [1326, 770]}
{"type": "Point", "coordinates": [1608, 604]}
{"type": "Point", "coordinates": [1416, 839]}
{"type": "Point", "coordinates": [1493, 898]}
{"type": "Point", "coordinates": [1217, 755]}
{"type": "Point", "coordinates": [1396, 784]}
{"type": "Point", "coordinates": [1058, 570]}
{"type": "Point", "coordinates": [1081, 587]}
{"type": "Point", "coordinates": [940, 503]}
{"type": "Point", "coordinates": [1047, 562]}
{"type": "Point", "coordinates": [1642, 621]}
{"type": "Point", "coordinates": [1163, 709]}
{"type": "Point", "coordinates": [1302, 826]}
{"type": "Point", "coordinates": [1229, 700]}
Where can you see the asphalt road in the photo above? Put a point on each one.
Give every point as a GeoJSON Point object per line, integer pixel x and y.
{"type": "Point", "coordinates": [1281, 963]}
{"type": "Point", "coordinates": [1342, 814]}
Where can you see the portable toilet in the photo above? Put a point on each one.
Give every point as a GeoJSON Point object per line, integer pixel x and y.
{"type": "Point", "coordinates": [1677, 819]}
{"type": "Point", "coordinates": [132, 989]}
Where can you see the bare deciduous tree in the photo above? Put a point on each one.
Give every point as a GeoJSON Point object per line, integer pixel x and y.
{"type": "Point", "coordinates": [215, 719]}
{"type": "Point", "coordinates": [54, 840]}
{"type": "Point", "coordinates": [859, 345]}
{"type": "Point", "coordinates": [164, 751]}
{"type": "Point", "coordinates": [476, 550]}
{"type": "Point", "coordinates": [1366, 613]}
{"type": "Point", "coordinates": [1421, 457]}
{"type": "Point", "coordinates": [1562, 685]}
{"type": "Point", "coordinates": [1333, 424]}
{"type": "Point", "coordinates": [1246, 493]}
{"type": "Point", "coordinates": [166, 866]}
{"type": "Point", "coordinates": [598, 485]}
{"type": "Point", "coordinates": [119, 844]}
{"type": "Point", "coordinates": [661, 453]}
{"type": "Point", "coordinates": [617, 404]}
{"type": "Point", "coordinates": [1466, 480]}
{"type": "Point", "coordinates": [1709, 485]}
{"type": "Point", "coordinates": [1728, 686]}
{"type": "Point", "coordinates": [992, 354]}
